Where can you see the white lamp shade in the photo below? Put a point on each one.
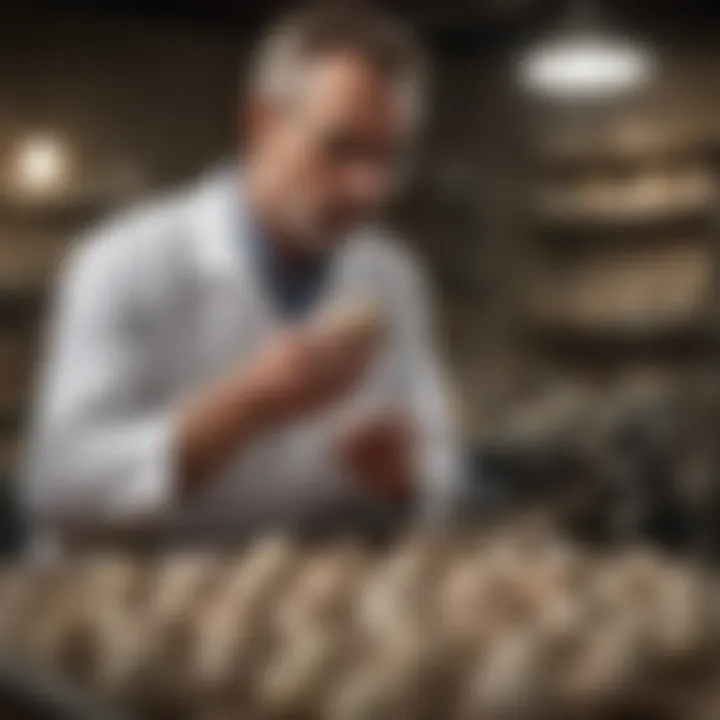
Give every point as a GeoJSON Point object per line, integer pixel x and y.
{"type": "Point", "coordinates": [577, 67]}
{"type": "Point", "coordinates": [40, 164]}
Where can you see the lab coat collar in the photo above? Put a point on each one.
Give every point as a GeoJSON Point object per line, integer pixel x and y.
{"type": "Point", "coordinates": [222, 224]}
{"type": "Point", "coordinates": [219, 232]}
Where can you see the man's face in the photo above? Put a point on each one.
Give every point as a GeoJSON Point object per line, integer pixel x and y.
{"type": "Point", "coordinates": [334, 151]}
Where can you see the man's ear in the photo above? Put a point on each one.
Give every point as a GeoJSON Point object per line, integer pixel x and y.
{"type": "Point", "coordinates": [250, 121]}
{"type": "Point", "coordinates": [257, 117]}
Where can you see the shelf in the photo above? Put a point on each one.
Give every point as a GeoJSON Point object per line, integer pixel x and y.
{"type": "Point", "coordinates": [677, 221]}
{"type": "Point", "coordinates": [11, 419]}
{"type": "Point", "coordinates": [614, 157]}
{"type": "Point", "coordinates": [21, 294]}
{"type": "Point", "coordinates": [9, 452]}
{"type": "Point", "coordinates": [615, 343]}
{"type": "Point", "coordinates": [657, 200]}
{"type": "Point", "coordinates": [21, 306]}
{"type": "Point", "coordinates": [560, 245]}
{"type": "Point", "coordinates": [59, 214]}
{"type": "Point", "coordinates": [626, 223]}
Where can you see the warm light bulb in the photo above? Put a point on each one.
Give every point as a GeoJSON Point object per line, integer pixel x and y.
{"type": "Point", "coordinates": [40, 164]}
{"type": "Point", "coordinates": [585, 67]}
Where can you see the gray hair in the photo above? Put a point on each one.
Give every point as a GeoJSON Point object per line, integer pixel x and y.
{"type": "Point", "coordinates": [377, 39]}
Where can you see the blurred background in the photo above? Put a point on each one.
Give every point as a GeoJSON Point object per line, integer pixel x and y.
{"type": "Point", "coordinates": [565, 201]}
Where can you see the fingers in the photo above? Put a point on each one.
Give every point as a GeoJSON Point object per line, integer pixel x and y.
{"type": "Point", "coordinates": [336, 349]}
{"type": "Point", "coordinates": [380, 455]}
{"type": "Point", "coordinates": [311, 366]}
{"type": "Point", "coordinates": [361, 321]}
{"type": "Point", "coordinates": [345, 338]}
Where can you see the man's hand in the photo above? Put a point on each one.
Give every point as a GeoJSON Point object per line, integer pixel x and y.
{"type": "Point", "coordinates": [300, 372]}
{"type": "Point", "coordinates": [379, 453]}
{"type": "Point", "coordinates": [309, 367]}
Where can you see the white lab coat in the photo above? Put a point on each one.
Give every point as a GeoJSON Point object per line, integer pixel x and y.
{"type": "Point", "coordinates": [159, 301]}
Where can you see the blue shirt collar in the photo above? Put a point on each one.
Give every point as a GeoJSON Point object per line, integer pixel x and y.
{"type": "Point", "coordinates": [294, 287]}
{"type": "Point", "coordinates": [237, 240]}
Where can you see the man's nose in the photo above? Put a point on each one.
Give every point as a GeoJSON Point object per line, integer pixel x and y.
{"type": "Point", "coordinates": [366, 183]}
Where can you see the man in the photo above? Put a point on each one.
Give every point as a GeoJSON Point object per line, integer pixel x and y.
{"type": "Point", "coordinates": [197, 383]}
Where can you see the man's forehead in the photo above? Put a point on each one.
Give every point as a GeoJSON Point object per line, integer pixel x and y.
{"type": "Point", "coordinates": [346, 84]}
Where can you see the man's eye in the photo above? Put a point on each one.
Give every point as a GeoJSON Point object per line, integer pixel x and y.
{"type": "Point", "coordinates": [341, 147]}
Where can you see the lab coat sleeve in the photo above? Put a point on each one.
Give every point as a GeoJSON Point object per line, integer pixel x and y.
{"type": "Point", "coordinates": [99, 453]}
{"type": "Point", "coordinates": [440, 467]}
